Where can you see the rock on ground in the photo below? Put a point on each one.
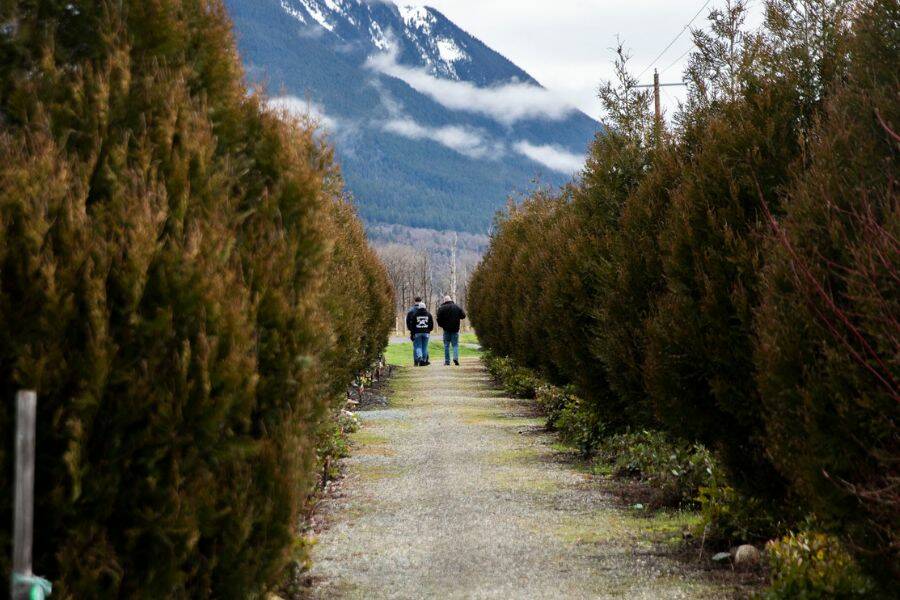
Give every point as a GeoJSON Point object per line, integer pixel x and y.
{"type": "Point", "coordinates": [746, 557]}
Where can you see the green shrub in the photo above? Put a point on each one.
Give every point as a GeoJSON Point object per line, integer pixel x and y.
{"type": "Point", "coordinates": [580, 425]}
{"type": "Point", "coordinates": [732, 517]}
{"type": "Point", "coordinates": [334, 444]}
{"type": "Point", "coordinates": [679, 470]}
{"type": "Point", "coordinates": [812, 566]}
{"type": "Point", "coordinates": [518, 381]}
{"type": "Point", "coordinates": [570, 416]}
{"type": "Point", "coordinates": [552, 401]}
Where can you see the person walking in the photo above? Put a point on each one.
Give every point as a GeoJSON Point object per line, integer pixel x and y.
{"type": "Point", "coordinates": [449, 315]}
{"type": "Point", "coordinates": [420, 324]}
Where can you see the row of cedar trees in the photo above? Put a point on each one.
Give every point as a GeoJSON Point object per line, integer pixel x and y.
{"type": "Point", "coordinates": [185, 287]}
{"type": "Point", "coordinates": [735, 281]}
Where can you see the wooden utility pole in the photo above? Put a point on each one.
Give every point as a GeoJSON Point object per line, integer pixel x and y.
{"type": "Point", "coordinates": [656, 101]}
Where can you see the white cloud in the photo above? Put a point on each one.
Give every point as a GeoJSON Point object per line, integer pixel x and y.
{"type": "Point", "coordinates": [464, 140]}
{"type": "Point", "coordinates": [305, 109]}
{"type": "Point", "coordinates": [566, 44]}
{"type": "Point", "coordinates": [552, 157]}
{"type": "Point", "coordinates": [506, 103]}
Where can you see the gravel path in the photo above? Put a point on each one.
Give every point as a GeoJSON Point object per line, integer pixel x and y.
{"type": "Point", "coordinates": [454, 492]}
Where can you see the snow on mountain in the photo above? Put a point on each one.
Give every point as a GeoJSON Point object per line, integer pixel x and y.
{"type": "Point", "coordinates": [300, 16]}
{"type": "Point", "coordinates": [431, 126]}
{"type": "Point", "coordinates": [450, 52]}
{"type": "Point", "coordinates": [315, 11]}
{"type": "Point", "coordinates": [418, 17]}
{"type": "Point", "coordinates": [423, 36]}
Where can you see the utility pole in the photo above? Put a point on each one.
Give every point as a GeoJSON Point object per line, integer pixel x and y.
{"type": "Point", "coordinates": [656, 101]}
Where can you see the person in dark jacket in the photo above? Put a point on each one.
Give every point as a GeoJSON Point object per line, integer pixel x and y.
{"type": "Point", "coordinates": [449, 315]}
{"type": "Point", "coordinates": [420, 324]}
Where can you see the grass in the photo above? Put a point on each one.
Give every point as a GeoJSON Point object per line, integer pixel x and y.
{"type": "Point", "coordinates": [468, 338]}
{"type": "Point", "coordinates": [401, 355]}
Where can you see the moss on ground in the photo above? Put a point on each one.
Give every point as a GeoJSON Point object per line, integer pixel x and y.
{"type": "Point", "coordinates": [513, 480]}
{"type": "Point", "coordinates": [494, 416]}
{"type": "Point", "coordinates": [598, 527]}
{"type": "Point", "coordinates": [518, 456]}
{"type": "Point", "coordinates": [367, 443]}
{"type": "Point", "coordinates": [365, 437]}
{"type": "Point", "coordinates": [370, 473]}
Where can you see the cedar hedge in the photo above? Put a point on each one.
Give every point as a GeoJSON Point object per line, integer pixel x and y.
{"type": "Point", "coordinates": [733, 282]}
{"type": "Point", "coordinates": [828, 365]}
{"type": "Point", "coordinates": [166, 286]}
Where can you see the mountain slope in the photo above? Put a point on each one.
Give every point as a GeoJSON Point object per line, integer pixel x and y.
{"type": "Point", "coordinates": [426, 119]}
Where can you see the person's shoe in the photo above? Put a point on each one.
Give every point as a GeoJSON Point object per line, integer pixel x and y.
{"type": "Point", "coordinates": [427, 363]}
{"type": "Point", "coordinates": [455, 362]}
{"type": "Point", "coordinates": [416, 362]}
{"type": "Point", "coordinates": [446, 364]}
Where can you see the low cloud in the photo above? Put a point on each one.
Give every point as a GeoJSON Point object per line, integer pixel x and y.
{"type": "Point", "coordinates": [305, 109]}
{"type": "Point", "coordinates": [507, 103]}
{"type": "Point", "coordinates": [553, 157]}
{"type": "Point", "coordinates": [464, 140]}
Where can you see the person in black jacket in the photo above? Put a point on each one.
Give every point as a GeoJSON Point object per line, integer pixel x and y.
{"type": "Point", "coordinates": [420, 324]}
{"type": "Point", "coordinates": [449, 315]}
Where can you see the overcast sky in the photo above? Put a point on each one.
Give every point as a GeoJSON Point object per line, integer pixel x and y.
{"type": "Point", "coordinates": [567, 44]}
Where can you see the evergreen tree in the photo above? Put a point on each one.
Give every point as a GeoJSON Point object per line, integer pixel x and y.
{"type": "Point", "coordinates": [164, 250]}
{"type": "Point", "coordinates": [828, 334]}
{"type": "Point", "coordinates": [619, 165]}
{"type": "Point", "coordinates": [700, 369]}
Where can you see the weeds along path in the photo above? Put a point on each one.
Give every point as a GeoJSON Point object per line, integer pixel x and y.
{"type": "Point", "coordinates": [455, 492]}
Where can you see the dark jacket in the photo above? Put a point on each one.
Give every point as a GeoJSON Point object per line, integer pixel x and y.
{"type": "Point", "coordinates": [449, 315]}
{"type": "Point", "coordinates": [419, 320]}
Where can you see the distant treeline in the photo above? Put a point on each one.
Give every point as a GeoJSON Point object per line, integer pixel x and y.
{"type": "Point", "coordinates": [183, 284]}
{"type": "Point", "coordinates": [470, 244]}
{"type": "Point", "coordinates": [426, 263]}
{"type": "Point", "coordinates": [734, 281]}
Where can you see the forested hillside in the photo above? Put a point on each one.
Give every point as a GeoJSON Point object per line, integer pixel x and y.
{"type": "Point", "coordinates": [375, 75]}
{"type": "Point", "coordinates": [732, 281]}
{"type": "Point", "coordinates": [185, 287]}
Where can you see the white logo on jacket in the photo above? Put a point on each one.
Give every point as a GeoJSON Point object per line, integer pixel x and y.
{"type": "Point", "coordinates": [422, 322]}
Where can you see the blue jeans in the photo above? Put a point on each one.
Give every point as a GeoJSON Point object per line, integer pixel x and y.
{"type": "Point", "coordinates": [420, 347]}
{"type": "Point", "coordinates": [451, 339]}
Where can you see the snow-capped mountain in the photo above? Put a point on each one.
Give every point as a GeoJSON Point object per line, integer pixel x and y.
{"type": "Point", "coordinates": [418, 35]}
{"type": "Point", "coordinates": [432, 127]}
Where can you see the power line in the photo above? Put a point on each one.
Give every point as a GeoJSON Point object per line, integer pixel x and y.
{"type": "Point", "coordinates": [677, 37]}
{"type": "Point", "coordinates": [677, 60]}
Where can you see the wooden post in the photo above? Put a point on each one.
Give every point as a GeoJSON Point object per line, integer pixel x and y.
{"type": "Point", "coordinates": [657, 105]}
{"type": "Point", "coordinates": [657, 102]}
{"type": "Point", "coordinates": [23, 520]}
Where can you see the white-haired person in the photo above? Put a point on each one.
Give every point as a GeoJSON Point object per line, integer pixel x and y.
{"type": "Point", "coordinates": [449, 316]}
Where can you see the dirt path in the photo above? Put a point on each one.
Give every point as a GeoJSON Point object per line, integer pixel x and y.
{"type": "Point", "coordinates": [454, 492]}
